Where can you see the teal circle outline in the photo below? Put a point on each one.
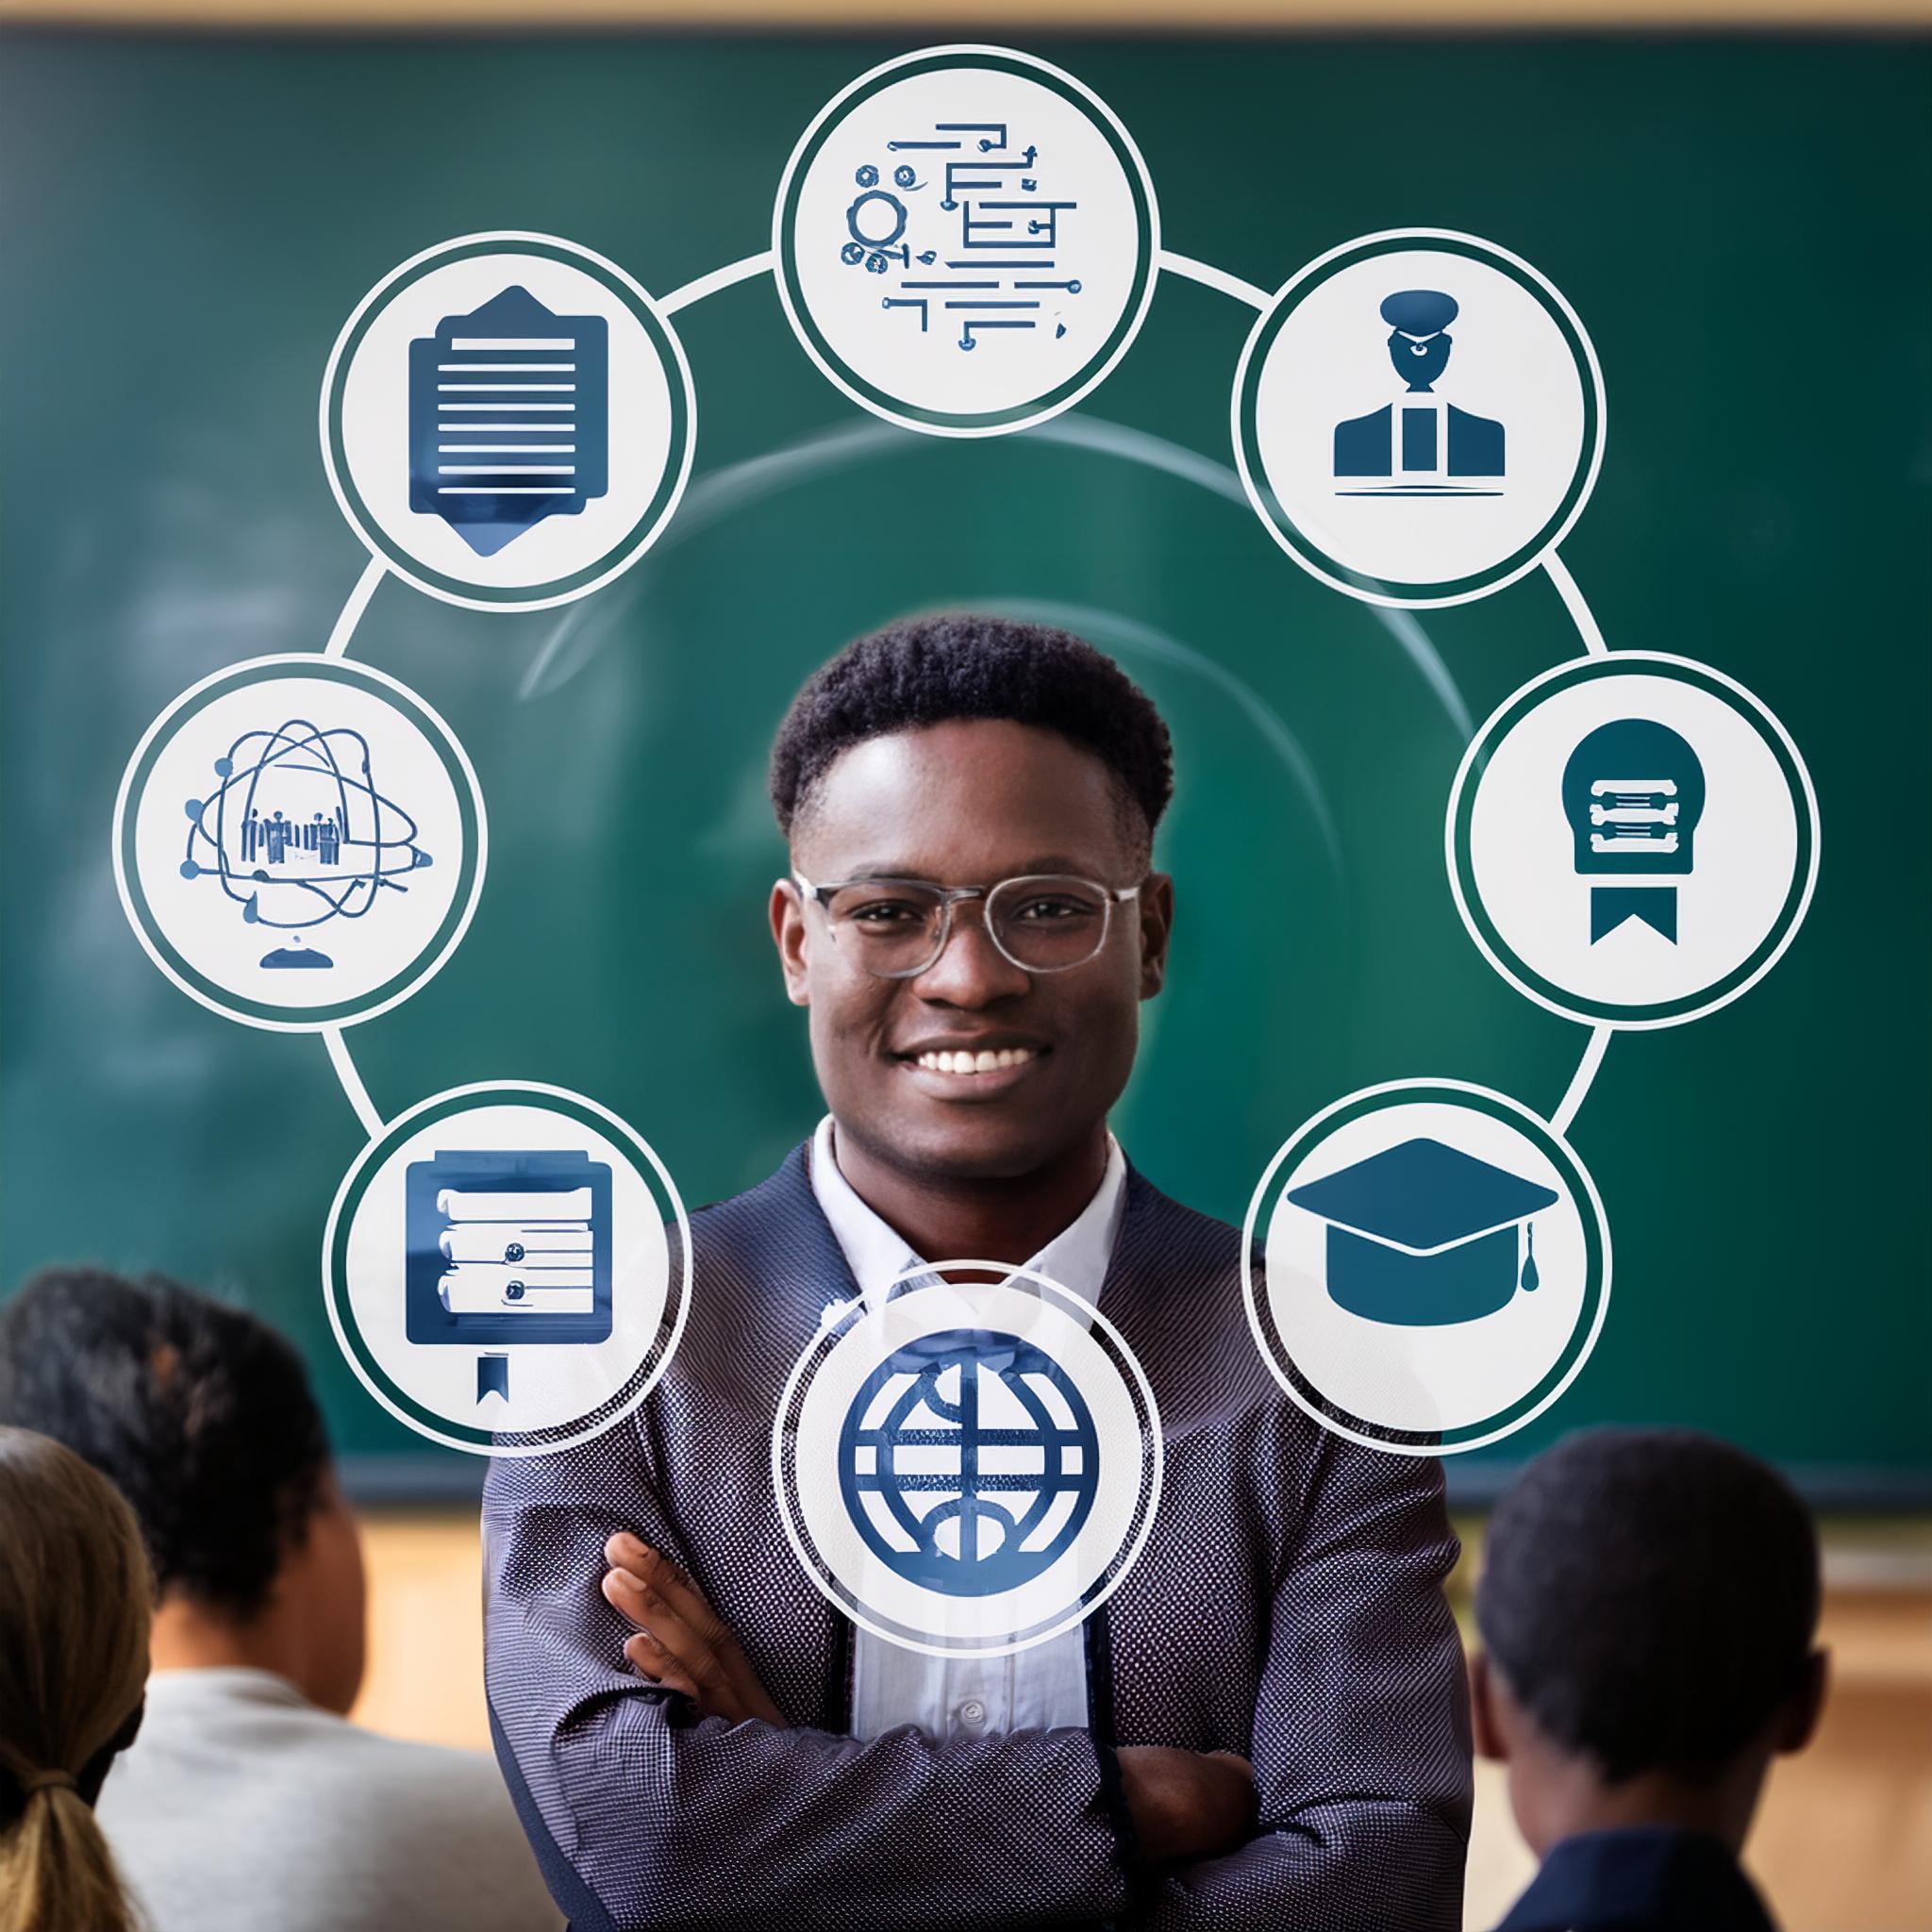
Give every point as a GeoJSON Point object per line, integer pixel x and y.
{"type": "Point", "coordinates": [1790, 913]}
{"type": "Point", "coordinates": [843, 1597]}
{"type": "Point", "coordinates": [1132, 314]}
{"type": "Point", "coordinates": [335, 1269]}
{"type": "Point", "coordinates": [468, 804]}
{"type": "Point", "coordinates": [1578, 1187]}
{"type": "Point", "coordinates": [557, 590]}
{"type": "Point", "coordinates": [1399, 591]}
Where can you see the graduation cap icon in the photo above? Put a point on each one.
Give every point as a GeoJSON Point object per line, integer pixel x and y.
{"type": "Point", "coordinates": [1423, 1234]}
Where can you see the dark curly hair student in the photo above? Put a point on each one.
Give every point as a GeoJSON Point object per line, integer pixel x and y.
{"type": "Point", "coordinates": [200, 1414]}
{"type": "Point", "coordinates": [1648, 1608]}
{"type": "Point", "coordinates": [1650, 1597]}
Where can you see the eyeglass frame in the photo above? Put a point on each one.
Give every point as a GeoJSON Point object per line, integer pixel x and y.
{"type": "Point", "coordinates": [950, 896]}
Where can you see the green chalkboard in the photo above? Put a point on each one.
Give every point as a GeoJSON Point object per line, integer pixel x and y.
{"type": "Point", "coordinates": [1740, 224]}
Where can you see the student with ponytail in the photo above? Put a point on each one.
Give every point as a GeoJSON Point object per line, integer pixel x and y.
{"type": "Point", "coordinates": [250, 1804]}
{"type": "Point", "coordinates": [75, 1602]}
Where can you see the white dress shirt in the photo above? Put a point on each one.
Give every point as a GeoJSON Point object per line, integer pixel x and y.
{"type": "Point", "coordinates": [1041, 1688]}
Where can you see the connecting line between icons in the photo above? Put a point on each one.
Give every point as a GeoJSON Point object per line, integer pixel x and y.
{"type": "Point", "coordinates": [372, 574]}
{"type": "Point", "coordinates": [1572, 1102]}
{"type": "Point", "coordinates": [340, 1060]}
{"type": "Point", "coordinates": [719, 278]}
{"type": "Point", "coordinates": [1218, 279]}
{"type": "Point", "coordinates": [1594, 645]}
{"type": "Point", "coordinates": [1572, 602]}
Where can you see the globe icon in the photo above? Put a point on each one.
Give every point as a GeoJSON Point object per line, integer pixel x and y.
{"type": "Point", "coordinates": [969, 1461]}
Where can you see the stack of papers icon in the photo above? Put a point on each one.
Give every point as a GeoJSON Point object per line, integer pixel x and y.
{"type": "Point", "coordinates": [508, 418]}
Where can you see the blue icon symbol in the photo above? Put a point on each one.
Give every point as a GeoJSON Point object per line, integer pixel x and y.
{"type": "Point", "coordinates": [996, 267]}
{"type": "Point", "coordinates": [507, 1247]}
{"type": "Point", "coordinates": [1425, 445]}
{"type": "Point", "coordinates": [969, 1461]}
{"type": "Point", "coordinates": [1422, 1235]}
{"type": "Point", "coordinates": [1633, 792]}
{"type": "Point", "coordinates": [508, 418]}
{"type": "Point", "coordinates": [298, 834]}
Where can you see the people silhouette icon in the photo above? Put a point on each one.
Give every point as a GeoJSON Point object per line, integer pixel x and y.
{"type": "Point", "coordinates": [1423, 444]}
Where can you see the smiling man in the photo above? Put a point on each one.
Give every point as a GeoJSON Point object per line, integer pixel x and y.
{"type": "Point", "coordinates": [1264, 1725]}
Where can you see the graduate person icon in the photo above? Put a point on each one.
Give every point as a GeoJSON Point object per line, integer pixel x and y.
{"type": "Point", "coordinates": [1423, 444]}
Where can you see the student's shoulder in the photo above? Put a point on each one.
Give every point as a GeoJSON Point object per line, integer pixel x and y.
{"type": "Point", "coordinates": [272, 1750]}
{"type": "Point", "coordinates": [434, 1822]}
{"type": "Point", "coordinates": [428, 1783]}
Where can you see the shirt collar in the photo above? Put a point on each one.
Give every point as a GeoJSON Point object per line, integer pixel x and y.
{"type": "Point", "coordinates": [1076, 1258]}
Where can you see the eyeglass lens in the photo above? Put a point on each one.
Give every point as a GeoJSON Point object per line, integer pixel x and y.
{"type": "Point", "coordinates": [898, 928]}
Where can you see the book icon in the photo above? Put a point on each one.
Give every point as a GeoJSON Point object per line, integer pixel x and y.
{"type": "Point", "coordinates": [507, 1247]}
{"type": "Point", "coordinates": [508, 418]}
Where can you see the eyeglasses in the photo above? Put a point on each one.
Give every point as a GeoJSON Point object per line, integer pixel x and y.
{"type": "Point", "coordinates": [898, 928]}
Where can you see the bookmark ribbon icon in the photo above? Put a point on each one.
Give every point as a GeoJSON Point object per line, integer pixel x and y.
{"type": "Point", "coordinates": [1653, 905]}
{"type": "Point", "coordinates": [508, 418]}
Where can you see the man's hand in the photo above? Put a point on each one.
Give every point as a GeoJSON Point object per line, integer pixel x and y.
{"type": "Point", "coordinates": [1187, 1803]}
{"type": "Point", "coordinates": [682, 1642]}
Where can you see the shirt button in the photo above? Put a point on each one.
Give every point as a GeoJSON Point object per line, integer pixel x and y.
{"type": "Point", "coordinates": [972, 1713]}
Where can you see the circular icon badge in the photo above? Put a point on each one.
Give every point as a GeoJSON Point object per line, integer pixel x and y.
{"type": "Point", "coordinates": [497, 1272]}
{"type": "Point", "coordinates": [299, 841]}
{"type": "Point", "coordinates": [1418, 418]}
{"type": "Point", "coordinates": [968, 1470]}
{"type": "Point", "coordinates": [1437, 1266]}
{"type": "Point", "coordinates": [1632, 839]}
{"type": "Point", "coordinates": [507, 421]}
{"type": "Point", "coordinates": [965, 240]}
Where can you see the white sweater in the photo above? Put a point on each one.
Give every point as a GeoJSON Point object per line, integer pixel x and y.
{"type": "Point", "coordinates": [241, 1808]}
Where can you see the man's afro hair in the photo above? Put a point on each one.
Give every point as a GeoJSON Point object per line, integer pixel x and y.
{"type": "Point", "coordinates": [961, 665]}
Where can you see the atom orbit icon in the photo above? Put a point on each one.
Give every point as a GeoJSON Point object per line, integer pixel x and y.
{"type": "Point", "coordinates": [296, 832]}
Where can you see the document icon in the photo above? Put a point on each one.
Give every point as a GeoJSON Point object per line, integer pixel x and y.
{"type": "Point", "coordinates": [508, 418]}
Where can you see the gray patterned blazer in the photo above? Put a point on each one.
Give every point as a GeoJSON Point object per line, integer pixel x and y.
{"type": "Point", "coordinates": [1287, 1606]}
